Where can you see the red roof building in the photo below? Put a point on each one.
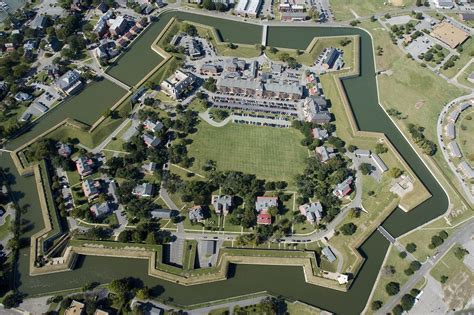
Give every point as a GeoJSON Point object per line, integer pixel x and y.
{"type": "Point", "coordinates": [264, 218]}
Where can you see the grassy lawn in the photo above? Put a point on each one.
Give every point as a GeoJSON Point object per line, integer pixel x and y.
{"type": "Point", "coordinates": [5, 228]}
{"type": "Point", "coordinates": [198, 105]}
{"type": "Point", "coordinates": [269, 153]}
{"type": "Point", "coordinates": [342, 8]}
{"type": "Point", "coordinates": [308, 57]}
{"type": "Point", "coordinates": [117, 144]}
{"type": "Point", "coordinates": [465, 56]}
{"type": "Point", "coordinates": [465, 130]}
{"type": "Point", "coordinates": [462, 78]}
{"type": "Point", "coordinates": [301, 309]}
{"type": "Point", "coordinates": [449, 266]}
{"type": "Point", "coordinates": [74, 178]}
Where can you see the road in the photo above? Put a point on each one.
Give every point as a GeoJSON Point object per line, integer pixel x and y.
{"type": "Point", "coordinates": [463, 234]}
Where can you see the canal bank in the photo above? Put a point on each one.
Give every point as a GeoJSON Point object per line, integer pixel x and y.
{"type": "Point", "coordinates": [243, 279]}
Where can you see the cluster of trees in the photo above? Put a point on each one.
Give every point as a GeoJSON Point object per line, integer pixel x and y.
{"type": "Point", "coordinates": [434, 54]}
{"type": "Point", "coordinates": [318, 181]}
{"type": "Point", "coordinates": [460, 252]}
{"type": "Point", "coordinates": [96, 233]}
{"type": "Point", "coordinates": [406, 303]}
{"type": "Point", "coordinates": [219, 114]}
{"type": "Point", "coordinates": [437, 240]}
{"type": "Point", "coordinates": [148, 233]}
{"type": "Point", "coordinates": [189, 29]}
{"type": "Point", "coordinates": [414, 266]}
{"type": "Point", "coordinates": [212, 5]}
{"type": "Point", "coordinates": [400, 30]}
{"type": "Point", "coordinates": [306, 128]}
{"type": "Point", "coordinates": [210, 84]}
{"type": "Point", "coordinates": [292, 63]}
{"type": "Point", "coordinates": [348, 228]}
{"type": "Point", "coordinates": [47, 149]}
{"type": "Point", "coordinates": [428, 146]}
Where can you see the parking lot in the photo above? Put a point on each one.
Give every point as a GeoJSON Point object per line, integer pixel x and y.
{"type": "Point", "coordinates": [419, 46]}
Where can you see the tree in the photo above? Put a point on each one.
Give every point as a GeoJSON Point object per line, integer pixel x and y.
{"type": "Point", "coordinates": [348, 228]}
{"type": "Point", "coordinates": [443, 234]}
{"type": "Point", "coordinates": [143, 293]}
{"type": "Point", "coordinates": [407, 302]}
{"type": "Point", "coordinates": [376, 305]}
{"type": "Point", "coordinates": [11, 300]}
{"type": "Point", "coordinates": [436, 241]}
{"type": "Point", "coordinates": [395, 172]}
{"type": "Point", "coordinates": [273, 211]}
{"type": "Point", "coordinates": [444, 278]}
{"type": "Point", "coordinates": [189, 29]}
{"type": "Point", "coordinates": [402, 255]}
{"type": "Point", "coordinates": [380, 148]}
{"type": "Point", "coordinates": [411, 247]}
{"type": "Point", "coordinates": [460, 252]}
{"type": "Point", "coordinates": [366, 168]}
{"type": "Point", "coordinates": [397, 310]}
{"type": "Point", "coordinates": [415, 265]}
{"type": "Point", "coordinates": [120, 287]}
{"type": "Point", "coordinates": [392, 288]}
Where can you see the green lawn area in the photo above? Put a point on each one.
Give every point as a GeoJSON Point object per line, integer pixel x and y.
{"type": "Point", "coordinates": [5, 228]}
{"type": "Point", "coordinates": [465, 130]}
{"type": "Point", "coordinates": [269, 153]}
{"type": "Point", "coordinates": [462, 78]}
{"type": "Point", "coordinates": [117, 144]}
{"type": "Point", "coordinates": [465, 56]}
{"type": "Point", "coordinates": [422, 238]}
{"type": "Point", "coordinates": [342, 8]}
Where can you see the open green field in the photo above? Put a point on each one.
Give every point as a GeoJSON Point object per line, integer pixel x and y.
{"type": "Point", "coordinates": [269, 153]}
{"type": "Point", "coordinates": [462, 78]}
{"type": "Point", "coordinates": [450, 266]}
{"type": "Point", "coordinates": [343, 8]}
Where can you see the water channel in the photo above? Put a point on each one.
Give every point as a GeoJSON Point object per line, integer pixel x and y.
{"type": "Point", "coordinates": [286, 281]}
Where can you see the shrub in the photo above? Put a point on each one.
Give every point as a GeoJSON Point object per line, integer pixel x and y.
{"type": "Point", "coordinates": [376, 305]}
{"type": "Point", "coordinates": [402, 255]}
{"type": "Point", "coordinates": [392, 288]}
{"type": "Point", "coordinates": [411, 247]}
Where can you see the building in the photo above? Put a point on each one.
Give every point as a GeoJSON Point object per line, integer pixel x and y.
{"type": "Point", "coordinates": [256, 88]}
{"type": "Point", "coordinates": [165, 214]}
{"type": "Point", "coordinates": [179, 82]}
{"type": "Point", "coordinates": [39, 22]}
{"type": "Point", "coordinates": [192, 47]}
{"type": "Point", "coordinates": [449, 34]}
{"type": "Point", "coordinates": [466, 16]}
{"type": "Point", "coordinates": [264, 203]}
{"type": "Point", "coordinates": [466, 170]}
{"type": "Point", "coordinates": [22, 97]}
{"type": "Point", "coordinates": [100, 210]}
{"type": "Point", "coordinates": [75, 308]}
{"type": "Point", "coordinates": [453, 117]}
{"type": "Point", "coordinates": [70, 83]}
{"type": "Point", "coordinates": [362, 153]}
{"type": "Point", "coordinates": [85, 166]}
{"type": "Point", "coordinates": [451, 131]}
{"type": "Point", "coordinates": [454, 149]}
{"type": "Point", "coordinates": [102, 8]}
{"type": "Point", "coordinates": [196, 214]}
{"type": "Point", "coordinates": [264, 218]}
{"type": "Point", "coordinates": [294, 16]}
{"type": "Point", "coordinates": [151, 141]}
{"type": "Point", "coordinates": [107, 49]}
{"type": "Point", "coordinates": [248, 7]}
{"type": "Point", "coordinates": [64, 149]}
{"type": "Point", "coordinates": [324, 154]}
{"type": "Point", "coordinates": [91, 188]}
{"type": "Point", "coordinates": [379, 163]}
{"type": "Point", "coordinates": [222, 203]}
{"type": "Point", "coordinates": [343, 189]}
{"type": "Point", "coordinates": [320, 134]}
{"type": "Point", "coordinates": [464, 106]}
{"type": "Point", "coordinates": [312, 211]}
{"type": "Point", "coordinates": [152, 125]}
{"type": "Point", "coordinates": [234, 64]}
{"type": "Point", "coordinates": [117, 26]}
{"type": "Point", "coordinates": [208, 69]}
{"type": "Point", "coordinates": [444, 4]}
{"type": "Point", "coordinates": [149, 168]}
{"type": "Point", "coordinates": [143, 190]}
{"type": "Point", "coordinates": [470, 78]}
{"type": "Point", "coordinates": [327, 252]}
{"type": "Point", "coordinates": [314, 110]}
{"type": "Point", "coordinates": [333, 59]}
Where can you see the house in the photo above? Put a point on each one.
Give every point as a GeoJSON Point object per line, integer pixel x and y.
{"type": "Point", "coordinates": [362, 153]}
{"type": "Point", "coordinates": [75, 308]}
{"type": "Point", "coordinates": [312, 211]}
{"type": "Point", "coordinates": [22, 97]}
{"type": "Point", "coordinates": [163, 214]}
{"type": "Point", "coordinates": [454, 149]}
{"type": "Point", "coordinates": [151, 141]}
{"type": "Point", "coordinates": [449, 34]}
{"type": "Point", "coordinates": [466, 170]}
{"type": "Point", "coordinates": [70, 83]}
{"type": "Point", "coordinates": [85, 166]}
{"type": "Point", "coordinates": [91, 188]}
{"type": "Point", "coordinates": [320, 134]}
{"type": "Point", "coordinates": [343, 189]}
{"type": "Point", "coordinates": [327, 252]}
{"type": "Point", "coordinates": [324, 154]}
{"type": "Point", "coordinates": [26, 116]}
{"type": "Point", "coordinates": [107, 49]}
{"type": "Point", "coordinates": [208, 69]}
{"type": "Point", "coordinates": [149, 168]}
{"type": "Point", "coordinates": [314, 109]}
{"type": "Point", "coordinates": [222, 203]}
{"type": "Point", "coordinates": [152, 125]}
{"type": "Point", "coordinates": [177, 84]}
{"type": "Point", "coordinates": [333, 59]}
{"type": "Point", "coordinates": [64, 149]}
{"type": "Point", "coordinates": [102, 8]}
{"type": "Point", "coordinates": [100, 210]}
{"type": "Point", "coordinates": [195, 214]}
{"type": "Point", "coordinates": [451, 131]}
{"type": "Point", "coordinates": [38, 108]}
{"type": "Point", "coordinates": [264, 218]}
{"type": "Point", "coordinates": [379, 163]}
{"type": "Point", "coordinates": [117, 26]}
{"type": "Point", "coordinates": [264, 203]}
{"type": "Point", "coordinates": [143, 190]}
{"type": "Point", "coordinates": [39, 22]}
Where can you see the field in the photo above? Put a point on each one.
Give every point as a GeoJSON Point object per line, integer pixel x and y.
{"type": "Point", "coordinates": [465, 130]}
{"type": "Point", "coordinates": [462, 78]}
{"type": "Point", "coordinates": [342, 8]}
{"type": "Point", "coordinates": [465, 56]}
{"type": "Point", "coordinates": [269, 153]}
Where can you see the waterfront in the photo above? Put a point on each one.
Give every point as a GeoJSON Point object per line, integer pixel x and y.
{"type": "Point", "coordinates": [290, 282]}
